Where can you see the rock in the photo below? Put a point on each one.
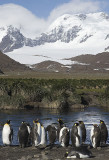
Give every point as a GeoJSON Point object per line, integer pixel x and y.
{"type": "Point", "coordinates": [29, 157]}
{"type": "Point", "coordinates": [36, 156]}
{"type": "Point", "coordinates": [48, 148]}
{"type": "Point", "coordinates": [42, 146]}
{"type": "Point", "coordinates": [89, 147]}
{"type": "Point", "coordinates": [77, 106]}
{"type": "Point", "coordinates": [99, 148]}
{"type": "Point", "coordinates": [23, 158]}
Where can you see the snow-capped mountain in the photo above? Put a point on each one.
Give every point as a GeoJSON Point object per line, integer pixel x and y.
{"type": "Point", "coordinates": [68, 36]}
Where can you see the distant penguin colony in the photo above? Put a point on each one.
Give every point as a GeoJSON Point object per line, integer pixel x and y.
{"type": "Point", "coordinates": [38, 135]}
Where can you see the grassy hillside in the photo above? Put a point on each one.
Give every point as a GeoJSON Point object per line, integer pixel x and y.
{"type": "Point", "coordinates": [53, 93]}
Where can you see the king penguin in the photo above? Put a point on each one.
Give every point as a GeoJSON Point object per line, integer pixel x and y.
{"type": "Point", "coordinates": [104, 132]}
{"type": "Point", "coordinates": [36, 133]}
{"type": "Point", "coordinates": [43, 136]}
{"type": "Point", "coordinates": [23, 135]}
{"type": "Point", "coordinates": [7, 133]}
{"type": "Point", "coordinates": [64, 136]}
{"type": "Point", "coordinates": [95, 136]}
{"type": "Point", "coordinates": [83, 129]}
{"type": "Point", "coordinates": [59, 127]}
{"type": "Point", "coordinates": [76, 135]}
{"type": "Point", "coordinates": [79, 152]}
{"type": "Point", "coordinates": [52, 132]}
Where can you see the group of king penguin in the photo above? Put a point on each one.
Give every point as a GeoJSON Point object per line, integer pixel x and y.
{"type": "Point", "coordinates": [39, 135]}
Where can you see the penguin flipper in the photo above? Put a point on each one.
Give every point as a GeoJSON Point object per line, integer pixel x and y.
{"type": "Point", "coordinates": [11, 135]}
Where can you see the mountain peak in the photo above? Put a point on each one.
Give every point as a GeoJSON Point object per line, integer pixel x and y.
{"type": "Point", "coordinates": [68, 36]}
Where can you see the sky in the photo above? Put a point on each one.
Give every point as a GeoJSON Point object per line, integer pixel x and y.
{"type": "Point", "coordinates": [48, 8]}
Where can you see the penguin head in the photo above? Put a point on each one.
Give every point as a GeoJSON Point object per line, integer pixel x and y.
{"type": "Point", "coordinates": [60, 121]}
{"type": "Point", "coordinates": [95, 126]}
{"type": "Point", "coordinates": [23, 122]}
{"type": "Point", "coordinates": [35, 121]}
{"type": "Point", "coordinates": [42, 126]}
{"type": "Point", "coordinates": [101, 122]}
{"type": "Point", "coordinates": [81, 122]}
{"type": "Point", "coordinates": [66, 154]}
{"type": "Point", "coordinates": [8, 122]}
{"type": "Point", "coordinates": [76, 124]}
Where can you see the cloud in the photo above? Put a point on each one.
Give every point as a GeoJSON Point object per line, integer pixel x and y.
{"type": "Point", "coordinates": [20, 17]}
{"type": "Point", "coordinates": [77, 6]}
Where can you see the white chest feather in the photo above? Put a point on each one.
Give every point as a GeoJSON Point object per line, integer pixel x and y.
{"type": "Point", "coordinates": [74, 156]}
{"type": "Point", "coordinates": [61, 136]}
{"type": "Point", "coordinates": [91, 133]}
{"type": "Point", "coordinates": [83, 156]}
{"type": "Point", "coordinates": [5, 134]}
{"type": "Point", "coordinates": [43, 136]}
{"type": "Point", "coordinates": [29, 130]}
{"type": "Point", "coordinates": [79, 141]}
{"type": "Point", "coordinates": [79, 131]}
{"type": "Point", "coordinates": [91, 137]}
{"type": "Point", "coordinates": [38, 137]}
{"type": "Point", "coordinates": [39, 129]}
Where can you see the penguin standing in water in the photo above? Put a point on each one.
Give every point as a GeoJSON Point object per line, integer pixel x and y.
{"type": "Point", "coordinates": [104, 132]}
{"type": "Point", "coordinates": [23, 135]}
{"type": "Point", "coordinates": [52, 133]}
{"type": "Point", "coordinates": [7, 133]}
{"type": "Point", "coordinates": [36, 133]}
{"type": "Point", "coordinates": [95, 136]}
{"type": "Point", "coordinates": [83, 129]}
{"type": "Point", "coordinates": [43, 136]}
{"type": "Point", "coordinates": [79, 152]}
{"type": "Point", "coordinates": [76, 135]}
{"type": "Point", "coordinates": [64, 136]}
{"type": "Point", "coordinates": [60, 126]}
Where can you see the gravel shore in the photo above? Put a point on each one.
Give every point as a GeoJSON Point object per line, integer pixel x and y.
{"type": "Point", "coordinates": [47, 153]}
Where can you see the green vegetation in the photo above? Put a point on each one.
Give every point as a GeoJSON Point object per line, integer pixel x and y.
{"type": "Point", "coordinates": [53, 93]}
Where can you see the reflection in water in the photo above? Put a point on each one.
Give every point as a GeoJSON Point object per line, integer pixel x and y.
{"type": "Point", "coordinates": [89, 115]}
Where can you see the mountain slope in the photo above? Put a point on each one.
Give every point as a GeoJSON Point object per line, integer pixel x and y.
{"type": "Point", "coordinates": [101, 58]}
{"type": "Point", "coordinates": [8, 64]}
{"type": "Point", "coordinates": [84, 63]}
{"type": "Point", "coordinates": [50, 66]}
